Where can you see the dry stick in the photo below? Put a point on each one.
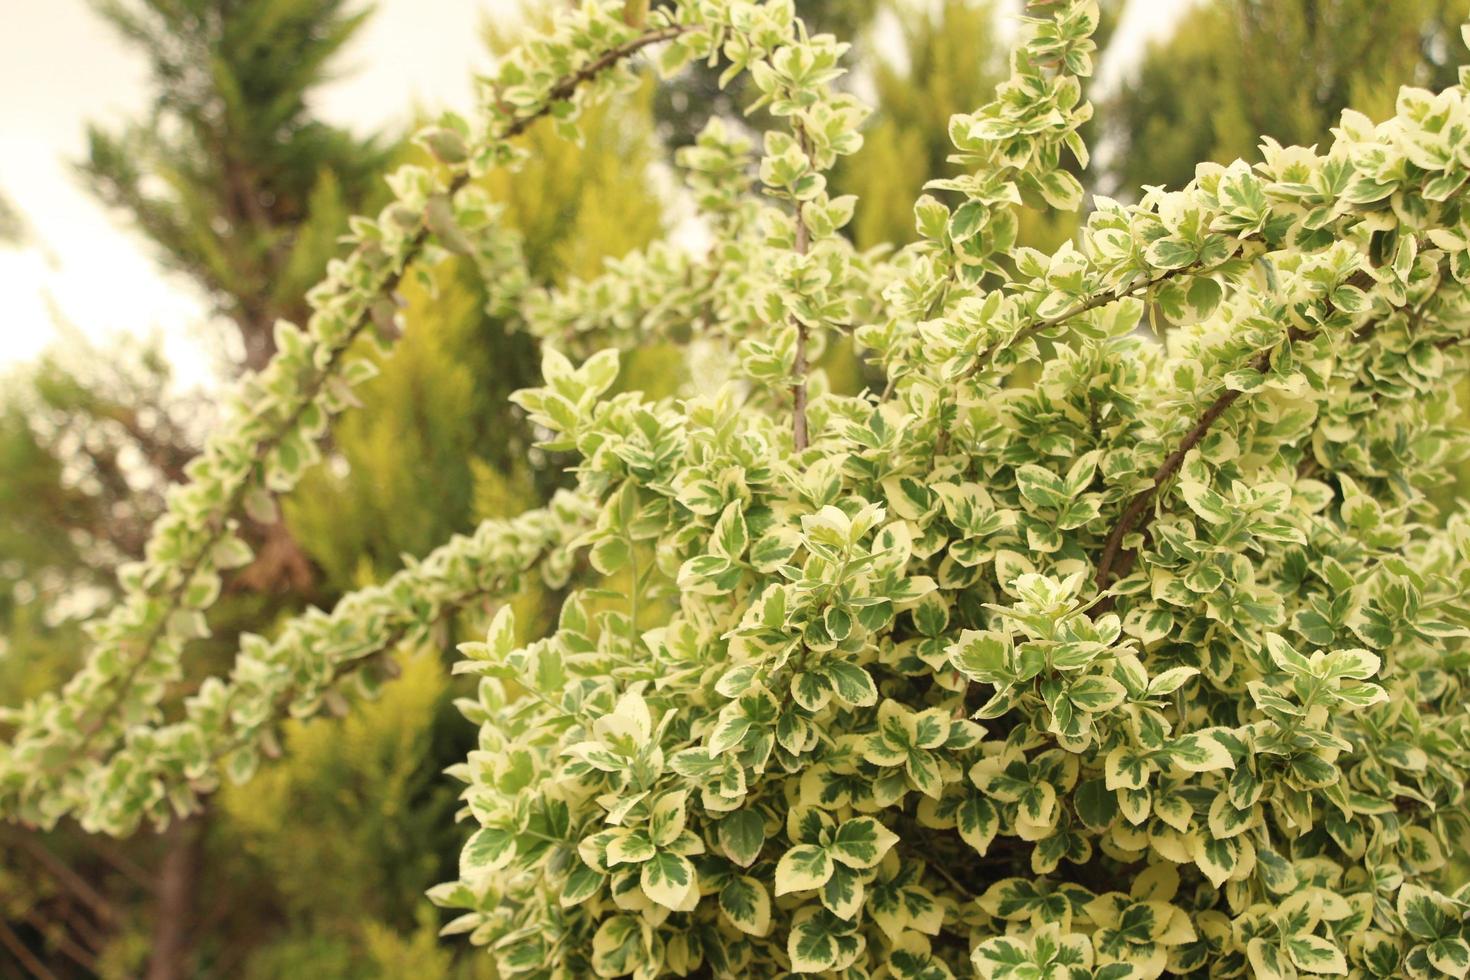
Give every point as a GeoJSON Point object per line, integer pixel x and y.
{"type": "Point", "coordinates": [118, 861]}
{"type": "Point", "coordinates": [1138, 505]}
{"type": "Point", "coordinates": [66, 877]}
{"type": "Point", "coordinates": [68, 947]}
{"type": "Point", "coordinates": [22, 954]}
{"type": "Point", "coordinates": [89, 934]}
{"type": "Point", "coordinates": [558, 93]}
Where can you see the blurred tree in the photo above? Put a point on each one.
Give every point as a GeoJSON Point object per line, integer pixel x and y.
{"type": "Point", "coordinates": [434, 449]}
{"type": "Point", "coordinates": [949, 62]}
{"type": "Point", "coordinates": [13, 230]}
{"type": "Point", "coordinates": [441, 399]}
{"type": "Point", "coordinates": [231, 179]}
{"type": "Point", "coordinates": [1283, 68]}
{"type": "Point", "coordinates": [229, 176]}
{"type": "Point", "coordinates": [346, 830]}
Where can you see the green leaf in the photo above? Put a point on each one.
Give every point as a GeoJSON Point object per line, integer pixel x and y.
{"type": "Point", "coordinates": [742, 835]}
{"type": "Point", "coordinates": [1268, 961]}
{"type": "Point", "coordinates": [1315, 954]}
{"type": "Point", "coordinates": [861, 842]}
{"type": "Point", "coordinates": [617, 948]}
{"type": "Point", "coordinates": [804, 867]}
{"type": "Point", "coordinates": [600, 370]}
{"type": "Point", "coordinates": [977, 822]}
{"type": "Point", "coordinates": [983, 657]}
{"type": "Point", "coordinates": [744, 901]}
{"type": "Point", "coordinates": [488, 849]}
{"type": "Point", "coordinates": [923, 772]}
{"type": "Point", "coordinates": [810, 690]}
{"type": "Point", "coordinates": [1097, 805]}
{"type": "Point", "coordinates": [812, 945]}
{"type": "Point", "coordinates": [666, 821]}
{"type": "Point", "coordinates": [1286, 658]}
{"type": "Point", "coordinates": [1170, 681]}
{"type": "Point", "coordinates": [631, 848]}
{"type": "Point", "coordinates": [851, 684]}
{"type": "Point", "coordinates": [1217, 859]}
{"type": "Point", "coordinates": [757, 709]}
{"type": "Point", "coordinates": [1199, 752]}
{"type": "Point", "coordinates": [581, 884]}
{"type": "Point", "coordinates": [1170, 253]}
{"type": "Point", "coordinates": [842, 894]}
{"type": "Point", "coordinates": [730, 536]}
{"type": "Point", "coordinates": [1450, 956]}
{"type": "Point", "coordinates": [1421, 912]}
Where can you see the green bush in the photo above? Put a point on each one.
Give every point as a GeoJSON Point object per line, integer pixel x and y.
{"type": "Point", "coordinates": [1063, 651]}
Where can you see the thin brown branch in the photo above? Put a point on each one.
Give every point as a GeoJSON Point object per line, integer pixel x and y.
{"type": "Point", "coordinates": [89, 935]}
{"type": "Point", "coordinates": [1135, 514]}
{"type": "Point", "coordinates": [120, 862]}
{"type": "Point", "coordinates": [178, 882]}
{"type": "Point", "coordinates": [22, 953]}
{"type": "Point", "coordinates": [66, 877]}
{"type": "Point", "coordinates": [1091, 303]}
{"type": "Point", "coordinates": [57, 937]}
{"type": "Point", "coordinates": [1140, 502]}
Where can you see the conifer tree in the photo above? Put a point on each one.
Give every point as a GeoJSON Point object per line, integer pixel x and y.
{"type": "Point", "coordinates": [230, 176]}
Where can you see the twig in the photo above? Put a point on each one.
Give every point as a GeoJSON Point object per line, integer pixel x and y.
{"type": "Point", "coordinates": [120, 862]}
{"type": "Point", "coordinates": [1091, 303]}
{"type": "Point", "coordinates": [1137, 508]}
{"type": "Point", "coordinates": [557, 94]}
{"type": "Point", "coordinates": [19, 950]}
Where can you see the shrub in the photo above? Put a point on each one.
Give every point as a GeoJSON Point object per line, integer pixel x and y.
{"type": "Point", "coordinates": [1062, 651]}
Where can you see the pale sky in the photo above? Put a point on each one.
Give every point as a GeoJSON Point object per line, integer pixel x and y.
{"type": "Point", "coordinates": [61, 66]}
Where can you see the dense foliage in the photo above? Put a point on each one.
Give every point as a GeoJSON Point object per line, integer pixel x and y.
{"type": "Point", "coordinates": [1064, 652]}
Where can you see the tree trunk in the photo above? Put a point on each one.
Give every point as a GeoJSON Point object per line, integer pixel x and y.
{"type": "Point", "coordinates": [178, 879]}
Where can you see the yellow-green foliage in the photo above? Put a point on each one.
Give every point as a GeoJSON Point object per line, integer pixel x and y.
{"type": "Point", "coordinates": [577, 205]}
{"type": "Point", "coordinates": [435, 425]}
{"type": "Point", "coordinates": [403, 480]}
{"type": "Point", "coordinates": [344, 825]}
{"type": "Point", "coordinates": [343, 820]}
{"type": "Point", "coordinates": [434, 449]}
